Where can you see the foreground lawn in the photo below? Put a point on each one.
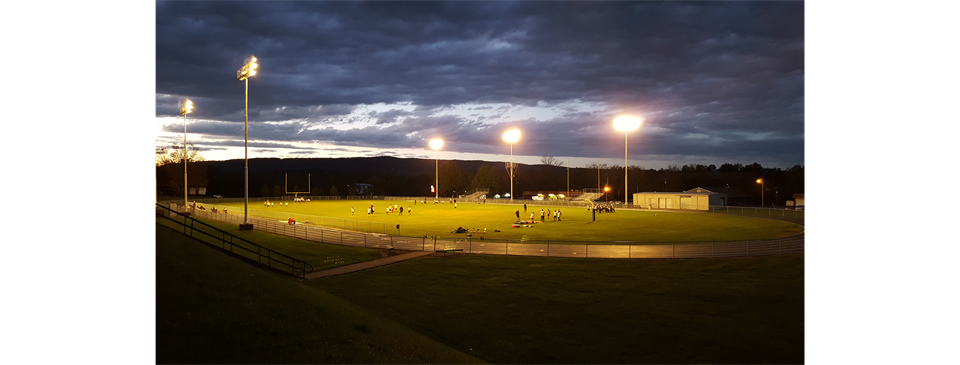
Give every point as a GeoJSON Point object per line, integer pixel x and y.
{"type": "Point", "coordinates": [212, 308]}
{"type": "Point", "coordinates": [322, 256]}
{"type": "Point", "coordinates": [576, 225]}
{"type": "Point", "coordinates": [557, 310]}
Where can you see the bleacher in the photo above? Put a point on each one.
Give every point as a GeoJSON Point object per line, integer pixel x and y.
{"type": "Point", "coordinates": [476, 194]}
{"type": "Point", "coordinates": [589, 196]}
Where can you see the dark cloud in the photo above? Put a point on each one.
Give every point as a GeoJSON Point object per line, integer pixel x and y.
{"type": "Point", "coordinates": [722, 80]}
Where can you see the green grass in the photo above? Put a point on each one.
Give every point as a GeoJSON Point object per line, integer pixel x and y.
{"type": "Point", "coordinates": [212, 308]}
{"type": "Point", "coordinates": [441, 219]}
{"type": "Point", "coordinates": [558, 310]}
{"type": "Point", "coordinates": [322, 256]}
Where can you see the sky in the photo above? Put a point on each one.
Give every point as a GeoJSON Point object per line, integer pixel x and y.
{"type": "Point", "coordinates": [716, 82]}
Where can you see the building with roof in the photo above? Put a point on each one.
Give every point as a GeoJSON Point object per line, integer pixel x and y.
{"type": "Point", "coordinates": [798, 199]}
{"type": "Point", "coordinates": [693, 199]}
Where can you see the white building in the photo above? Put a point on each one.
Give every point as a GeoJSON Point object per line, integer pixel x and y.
{"type": "Point", "coordinates": [693, 199]}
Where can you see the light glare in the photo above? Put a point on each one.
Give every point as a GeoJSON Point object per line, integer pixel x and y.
{"type": "Point", "coordinates": [627, 123]}
{"type": "Point", "coordinates": [511, 136]}
{"type": "Point", "coordinates": [436, 144]}
{"type": "Point", "coordinates": [187, 107]}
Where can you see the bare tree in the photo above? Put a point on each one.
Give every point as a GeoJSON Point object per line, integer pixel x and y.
{"type": "Point", "coordinates": [175, 154]}
{"type": "Point", "coordinates": [550, 160]}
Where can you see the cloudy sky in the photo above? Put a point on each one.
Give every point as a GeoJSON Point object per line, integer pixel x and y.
{"type": "Point", "coordinates": [716, 82]}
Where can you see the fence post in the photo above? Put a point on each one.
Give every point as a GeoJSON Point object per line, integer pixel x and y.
{"type": "Point", "coordinates": [434, 243]}
{"type": "Point", "coordinates": [341, 237]}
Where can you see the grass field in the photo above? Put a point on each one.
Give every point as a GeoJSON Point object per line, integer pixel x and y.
{"type": "Point", "coordinates": [576, 225]}
{"type": "Point", "coordinates": [212, 308]}
{"type": "Point", "coordinates": [320, 256]}
{"type": "Point", "coordinates": [565, 310]}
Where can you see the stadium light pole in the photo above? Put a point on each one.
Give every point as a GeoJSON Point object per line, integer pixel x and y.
{"type": "Point", "coordinates": [187, 108]}
{"type": "Point", "coordinates": [243, 74]}
{"type": "Point", "coordinates": [511, 136]}
{"type": "Point", "coordinates": [760, 181]}
{"type": "Point", "coordinates": [436, 144]}
{"type": "Point", "coordinates": [626, 123]}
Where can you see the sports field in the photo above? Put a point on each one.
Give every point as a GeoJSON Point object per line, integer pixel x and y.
{"type": "Point", "coordinates": [484, 220]}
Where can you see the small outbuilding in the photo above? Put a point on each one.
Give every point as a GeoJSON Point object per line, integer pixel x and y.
{"type": "Point", "coordinates": [693, 199]}
{"type": "Point", "coordinates": [798, 199]}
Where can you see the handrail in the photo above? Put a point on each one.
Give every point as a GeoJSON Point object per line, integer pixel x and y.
{"type": "Point", "coordinates": [295, 264]}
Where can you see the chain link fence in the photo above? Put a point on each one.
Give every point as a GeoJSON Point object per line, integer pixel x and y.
{"type": "Point", "coordinates": [348, 236]}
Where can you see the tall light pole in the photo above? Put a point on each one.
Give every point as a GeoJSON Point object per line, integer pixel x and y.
{"type": "Point", "coordinates": [760, 181]}
{"type": "Point", "coordinates": [187, 108]}
{"type": "Point", "coordinates": [626, 124]}
{"type": "Point", "coordinates": [155, 152]}
{"type": "Point", "coordinates": [436, 144]}
{"type": "Point", "coordinates": [243, 74]}
{"type": "Point", "coordinates": [511, 136]}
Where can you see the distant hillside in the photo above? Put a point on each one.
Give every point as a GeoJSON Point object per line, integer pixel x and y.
{"type": "Point", "coordinates": [381, 164]}
{"type": "Point", "coordinates": [413, 177]}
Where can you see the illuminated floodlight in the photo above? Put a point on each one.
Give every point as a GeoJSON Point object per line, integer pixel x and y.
{"type": "Point", "coordinates": [187, 108]}
{"type": "Point", "coordinates": [249, 69]}
{"type": "Point", "coordinates": [511, 136]}
{"type": "Point", "coordinates": [625, 124]}
{"type": "Point", "coordinates": [436, 144]}
{"type": "Point", "coordinates": [760, 181]}
{"type": "Point", "coordinates": [243, 74]}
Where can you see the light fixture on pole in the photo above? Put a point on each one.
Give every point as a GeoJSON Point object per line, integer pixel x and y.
{"type": "Point", "coordinates": [243, 74]}
{"type": "Point", "coordinates": [626, 124]}
{"type": "Point", "coordinates": [436, 144]}
{"type": "Point", "coordinates": [760, 181]}
{"type": "Point", "coordinates": [187, 108]}
{"type": "Point", "coordinates": [511, 136]}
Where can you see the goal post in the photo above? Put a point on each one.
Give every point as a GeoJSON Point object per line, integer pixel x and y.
{"type": "Point", "coordinates": [286, 189]}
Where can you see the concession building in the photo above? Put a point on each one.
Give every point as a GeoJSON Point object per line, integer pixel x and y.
{"type": "Point", "coordinates": [693, 199]}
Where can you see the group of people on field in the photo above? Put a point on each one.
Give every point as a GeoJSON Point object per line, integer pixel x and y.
{"type": "Point", "coordinates": [390, 209]}
{"type": "Point", "coordinates": [556, 214]}
{"type": "Point", "coordinates": [269, 204]}
{"type": "Point", "coordinates": [604, 208]}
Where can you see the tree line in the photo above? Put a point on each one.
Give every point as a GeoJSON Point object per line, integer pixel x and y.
{"type": "Point", "coordinates": [413, 177]}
